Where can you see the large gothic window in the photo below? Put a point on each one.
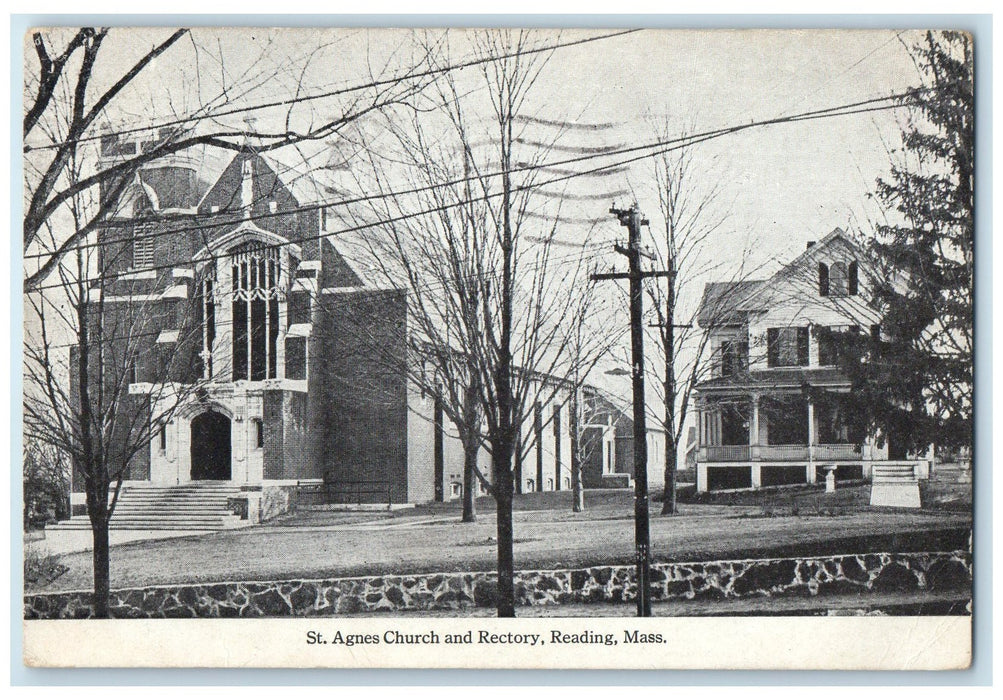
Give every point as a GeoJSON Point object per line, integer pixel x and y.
{"type": "Point", "coordinates": [255, 282]}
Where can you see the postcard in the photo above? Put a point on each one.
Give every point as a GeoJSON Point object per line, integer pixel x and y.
{"type": "Point", "coordinates": [501, 348]}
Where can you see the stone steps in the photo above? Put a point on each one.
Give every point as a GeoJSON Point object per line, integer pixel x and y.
{"type": "Point", "coordinates": [893, 473]}
{"type": "Point", "coordinates": [894, 486]}
{"type": "Point", "coordinates": [196, 507]}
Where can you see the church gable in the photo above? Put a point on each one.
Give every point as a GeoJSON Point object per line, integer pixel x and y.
{"type": "Point", "coordinates": [248, 182]}
{"type": "Point", "coordinates": [336, 271]}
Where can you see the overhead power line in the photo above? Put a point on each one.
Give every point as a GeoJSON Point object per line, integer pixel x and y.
{"type": "Point", "coordinates": [461, 202]}
{"type": "Point", "coordinates": [840, 110]}
{"type": "Point", "coordinates": [670, 145]}
{"type": "Point", "coordinates": [334, 93]}
{"type": "Point", "coordinates": [577, 257]}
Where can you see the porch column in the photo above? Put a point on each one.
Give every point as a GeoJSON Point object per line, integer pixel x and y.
{"type": "Point", "coordinates": [754, 443]}
{"type": "Point", "coordinates": [701, 465]}
{"type": "Point", "coordinates": [698, 413]}
{"type": "Point", "coordinates": [811, 442]}
{"type": "Point", "coordinates": [866, 456]}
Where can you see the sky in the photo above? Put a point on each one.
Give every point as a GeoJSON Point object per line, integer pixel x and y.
{"type": "Point", "coordinates": [784, 184]}
{"type": "Point", "coordinates": [778, 186]}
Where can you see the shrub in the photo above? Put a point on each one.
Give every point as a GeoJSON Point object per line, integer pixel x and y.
{"type": "Point", "coordinates": [46, 483]}
{"type": "Point", "coordinates": [40, 567]}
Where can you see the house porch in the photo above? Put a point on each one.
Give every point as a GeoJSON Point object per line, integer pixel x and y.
{"type": "Point", "coordinates": [754, 440]}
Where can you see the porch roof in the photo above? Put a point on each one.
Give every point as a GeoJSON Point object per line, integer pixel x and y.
{"type": "Point", "coordinates": [773, 379]}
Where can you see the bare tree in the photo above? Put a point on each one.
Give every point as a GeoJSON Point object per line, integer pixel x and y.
{"type": "Point", "coordinates": [102, 397]}
{"type": "Point", "coordinates": [692, 214]}
{"type": "Point", "coordinates": [491, 304]}
{"type": "Point", "coordinates": [76, 95]}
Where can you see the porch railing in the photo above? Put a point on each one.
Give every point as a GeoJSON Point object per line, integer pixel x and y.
{"type": "Point", "coordinates": [783, 453]}
{"type": "Point", "coordinates": [826, 452]}
{"type": "Point", "coordinates": [726, 453]}
{"type": "Point", "coordinates": [779, 453]}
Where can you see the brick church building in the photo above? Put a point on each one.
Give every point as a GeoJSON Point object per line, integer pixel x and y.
{"type": "Point", "coordinates": [258, 311]}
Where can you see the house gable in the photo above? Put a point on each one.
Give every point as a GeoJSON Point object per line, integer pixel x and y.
{"type": "Point", "coordinates": [826, 285]}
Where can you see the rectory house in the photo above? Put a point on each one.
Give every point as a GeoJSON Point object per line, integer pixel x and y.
{"type": "Point", "coordinates": [245, 291]}
{"type": "Point", "coordinates": [774, 409]}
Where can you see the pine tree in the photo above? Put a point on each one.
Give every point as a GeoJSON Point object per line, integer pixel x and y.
{"type": "Point", "coordinates": [916, 382]}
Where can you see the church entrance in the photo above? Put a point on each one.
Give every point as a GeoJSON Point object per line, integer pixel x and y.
{"type": "Point", "coordinates": [211, 447]}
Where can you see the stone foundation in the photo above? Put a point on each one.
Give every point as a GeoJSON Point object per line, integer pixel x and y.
{"type": "Point", "coordinates": [275, 501]}
{"type": "Point", "coordinates": [601, 584]}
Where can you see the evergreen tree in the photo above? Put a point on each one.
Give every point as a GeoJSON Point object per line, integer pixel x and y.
{"type": "Point", "coordinates": [914, 379]}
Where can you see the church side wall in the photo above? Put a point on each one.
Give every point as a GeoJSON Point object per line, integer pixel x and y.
{"type": "Point", "coordinates": [357, 355]}
{"type": "Point", "coordinates": [420, 447]}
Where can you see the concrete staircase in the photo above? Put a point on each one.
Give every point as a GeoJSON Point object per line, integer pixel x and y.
{"type": "Point", "coordinates": [198, 506]}
{"type": "Point", "coordinates": [895, 485]}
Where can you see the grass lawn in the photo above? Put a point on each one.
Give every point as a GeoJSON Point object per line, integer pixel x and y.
{"type": "Point", "coordinates": [849, 497]}
{"type": "Point", "coordinates": [315, 544]}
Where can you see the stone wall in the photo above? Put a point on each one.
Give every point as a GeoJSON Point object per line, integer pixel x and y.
{"type": "Point", "coordinates": [850, 573]}
{"type": "Point", "coordinates": [276, 501]}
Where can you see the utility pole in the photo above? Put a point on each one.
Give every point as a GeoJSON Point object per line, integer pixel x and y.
{"type": "Point", "coordinates": [631, 219]}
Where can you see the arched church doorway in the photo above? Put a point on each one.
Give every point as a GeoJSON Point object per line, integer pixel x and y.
{"type": "Point", "coordinates": [211, 447]}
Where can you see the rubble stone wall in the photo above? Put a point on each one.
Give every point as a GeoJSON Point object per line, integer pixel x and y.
{"type": "Point", "coordinates": [457, 591]}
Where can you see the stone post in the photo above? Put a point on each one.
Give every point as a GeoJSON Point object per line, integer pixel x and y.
{"type": "Point", "coordinates": [811, 442]}
{"type": "Point", "coordinates": [754, 443]}
{"type": "Point", "coordinates": [830, 478]}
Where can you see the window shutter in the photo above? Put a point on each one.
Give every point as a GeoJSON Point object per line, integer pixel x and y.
{"type": "Point", "coordinates": [823, 279]}
{"type": "Point", "coordinates": [825, 346]}
{"type": "Point", "coordinates": [142, 247]}
{"type": "Point", "coordinates": [853, 277]}
{"type": "Point", "coordinates": [727, 360]}
{"type": "Point", "coordinates": [802, 347]}
{"type": "Point", "coordinates": [772, 347]}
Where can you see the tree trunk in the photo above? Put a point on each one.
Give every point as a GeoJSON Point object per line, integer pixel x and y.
{"type": "Point", "coordinates": [577, 489]}
{"type": "Point", "coordinates": [505, 600]}
{"type": "Point", "coordinates": [102, 568]}
{"type": "Point", "coordinates": [470, 449]}
{"type": "Point", "coordinates": [509, 423]}
{"type": "Point", "coordinates": [471, 446]}
{"type": "Point", "coordinates": [669, 501]}
{"type": "Point", "coordinates": [669, 421]}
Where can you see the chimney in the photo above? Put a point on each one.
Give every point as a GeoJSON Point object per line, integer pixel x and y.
{"type": "Point", "coordinates": [810, 244]}
{"type": "Point", "coordinates": [250, 127]}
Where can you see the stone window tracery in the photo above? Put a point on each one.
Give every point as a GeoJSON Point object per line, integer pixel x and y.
{"type": "Point", "coordinates": [255, 293]}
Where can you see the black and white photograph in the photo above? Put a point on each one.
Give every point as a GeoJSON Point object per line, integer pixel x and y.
{"type": "Point", "coordinates": [434, 326]}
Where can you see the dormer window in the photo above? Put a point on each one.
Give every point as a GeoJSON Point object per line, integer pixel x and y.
{"type": "Point", "coordinates": [838, 280]}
